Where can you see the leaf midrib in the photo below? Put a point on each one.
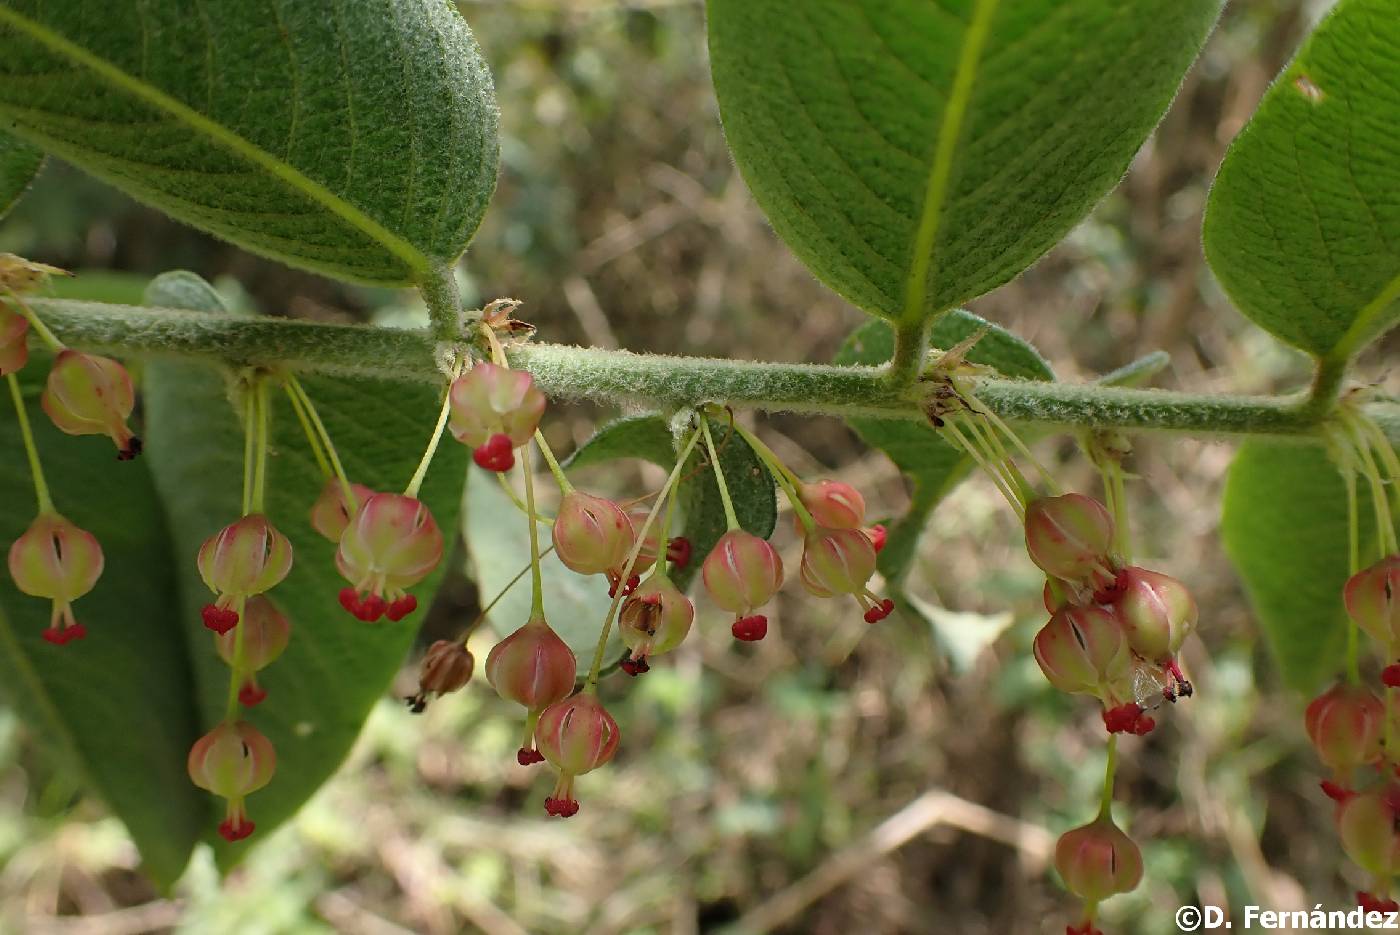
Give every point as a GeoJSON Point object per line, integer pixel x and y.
{"type": "Point", "coordinates": [941, 170]}
{"type": "Point", "coordinates": [416, 260]}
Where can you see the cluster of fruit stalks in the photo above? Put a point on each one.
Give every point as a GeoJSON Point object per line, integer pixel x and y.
{"type": "Point", "coordinates": [1354, 729]}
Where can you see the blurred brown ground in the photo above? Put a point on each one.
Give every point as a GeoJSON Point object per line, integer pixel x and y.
{"type": "Point", "coordinates": [832, 781]}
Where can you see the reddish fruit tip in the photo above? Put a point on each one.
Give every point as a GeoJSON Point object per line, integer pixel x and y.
{"type": "Point", "coordinates": [76, 632]}
{"type": "Point", "coordinates": [219, 619]}
{"type": "Point", "coordinates": [750, 629]}
{"type": "Point", "coordinates": [235, 832]}
{"type": "Point", "coordinates": [55, 636]}
{"type": "Point", "coordinates": [1127, 719]}
{"type": "Point", "coordinates": [878, 536]}
{"type": "Point", "coordinates": [634, 667]}
{"type": "Point", "coordinates": [401, 608]}
{"type": "Point", "coordinates": [561, 808]}
{"type": "Point", "coordinates": [250, 696]}
{"type": "Point", "coordinates": [495, 455]}
{"type": "Point", "coordinates": [1335, 791]}
{"type": "Point", "coordinates": [678, 551]}
{"type": "Point", "coordinates": [1390, 675]}
{"type": "Point", "coordinates": [527, 757]}
{"type": "Point", "coordinates": [350, 600]}
{"type": "Point", "coordinates": [372, 608]}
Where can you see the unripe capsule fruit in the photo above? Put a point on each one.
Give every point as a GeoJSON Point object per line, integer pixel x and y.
{"type": "Point", "coordinates": [532, 667]}
{"type": "Point", "coordinates": [232, 761]}
{"type": "Point", "coordinates": [265, 634]}
{"type": "Point", "coordinates": [576, 735]}
{"type": "Point", "coordinates": [1156, 611]}
{"type": "Point", "coordinates": [841, 561]}
{"type": "Point", "coordinates": [90, 395]}
{"type": "Point", "coordinates": [1082, 650]}
{"type": "Point", "coordinates": [447, 667]}
{"type": "Point", "coordinates": [246, 557]}
{"type": "Point", "coordinates": [1097, 860]}
{"type": "Point", "coordinates": [1366, 825]}
{"type": "Point", "coordinates": [654, 620]}
{"type": "Point", "coordinates": [1345, 724]}
{"type": "Point", "coordinates": [833, 504]}
{"type": "Point", "coordinates": [1070, 536]}
{"type": "Point", "coordinates": [391, 544]}
{"type": "Point", "coordinates": [741, 574]}
{"type": "Point", "coordinates": [1372, 598]}
{"type": "Point", "coordinates": [54, 559]}
{"type": "Point", "coordinates": [331, 513]}
{"type": "Point", "coordinates": [591, 534]}
{"type": "Point", "coordinates": [14, 348]}
{"type": "Point", "coordinates": [493, 410]}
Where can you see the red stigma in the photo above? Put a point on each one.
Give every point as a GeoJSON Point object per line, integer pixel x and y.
{"type": "Point", "coordinates": [679, 551]}
{"type": "Point", "coordinates": [55, 636]}
{"type": "Point", "coordinates": [401, 608]}
{"type": "Point", "coordinates": [250, 695]}
{"type": "Point", "coordinates": [132, 449]}
{"type": "Point", "coordinates": [1335, 791]}
{"type": "Point", "coordinates": [880, 611]}
{"type": "Point", "coordinates": [1372, 904]}
{"type": "Point", "coordinates": [634, 667]}
{"type": "Point", "coordinates": [235, 832]}
{"type": "Point", "coordinates": [1128, 719]}
{"type": "Point", "coordinates": [750, 629]}
{"type": "Point", "coordinates": [528, 757]}
{"type": "Point", "coordinates": [561, 808]}
{"type": "Point", "coordinates": [219, 619]}
{"type": "Point", "coordinates": [495, 455]}
{"type": "Point", "coordinates": [1390, 675]}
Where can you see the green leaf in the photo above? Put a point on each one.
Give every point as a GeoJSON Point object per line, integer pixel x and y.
{"type": "Point", "coordinates": [498, 548]}
{"type": "Point", "coordinates": [1285, 529]}
{"type": "Point", "coordinates": [19, 163]}
{"type": "Point", "coordinates": [934, 467]}
{"type": "Point", "coordinates": [751, 487]}
{"type": "Point", "coordinates": [321, 690]}
{"type": "Point", "coordinates": [1303, 225]}
{"type": "Point", "coordinates": [352, 137]}
{"type": "Point", "coordinates": [645, 436]}
{"type": "Point", "coordinates": [917, 154]}
{"type": "Point", "coordinates": [114, 709]}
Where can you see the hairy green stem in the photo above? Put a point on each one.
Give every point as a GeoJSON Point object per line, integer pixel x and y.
{"type": "Point", "coordinates": [910, 349]}
{"type": "Point", "coordinates": [674, 382]}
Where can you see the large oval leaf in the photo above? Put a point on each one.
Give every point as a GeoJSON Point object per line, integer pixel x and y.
{"type": "Point", "coordinates": [115, 708]}
{"type": "Point", "coordinates": [1285, 529]}
{"type": "Point", "coordinates": [917, 154]}
{"type": "Point", "coordinates": [352, 137]}
{"type": "Point", "coordinates": [933, 466]}
{"type": "Point", "coordinates": [336, 668]}
{"type": "Point", "coordinates": [19, 163]}
{"type": "Point", "coordinates": [1303, 223]}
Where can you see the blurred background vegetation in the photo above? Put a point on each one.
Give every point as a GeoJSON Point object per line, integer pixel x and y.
{"type": "Point", "coordinates": [834, 778]}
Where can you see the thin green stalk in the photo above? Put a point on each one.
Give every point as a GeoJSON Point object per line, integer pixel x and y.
{"type": "Point", "coordinates": [516, 502]}
{"type": "Point", "coordinates": [485, 611]}
{"type": "Point", "coordinates": [997, 452]}
{"type": "Point", "coordinates": [729, 516]}
{"type": "Point", "coordinates": [591, 683]}
{"type": "Point", "coordinates": [785, 478]}
{"type": "Point", "coordinates": [1110, 766]}
{"type": "Point", "coordinates": [1354, 565]}
{"type": "Point", "coordinates": [311, 438]}
{"type": "Point", "coordinates": [1380, 500]}
{"type": "Point", "coordinates": [31, 450]}
{"type": "Point", "coordinates": [236, 675]}
{"type": "Point", "coordinates": [416, 481]}
{"type": "Point", "coordinates": [554, 468]}
{"type": "Point", "coordinates": [260, 465]}
{"type": "Point", "coordinates": [1052, 485]}
{"type": "Point", "coordinates": [249, 446]}
{"type": "Point", "coordinates": [346, 489]}
{"type": "Point", "coordinates": [536, 576]}
{"type": "Point", "coordinates": [951, 427]}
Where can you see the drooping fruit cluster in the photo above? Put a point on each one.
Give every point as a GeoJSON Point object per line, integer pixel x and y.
{"type": "Point", "coordinates": [1115, 629]}
{"type": "Point", "coordinates": [84, 394]}
{"type": "Point", "coordinates": [1353, 724]}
